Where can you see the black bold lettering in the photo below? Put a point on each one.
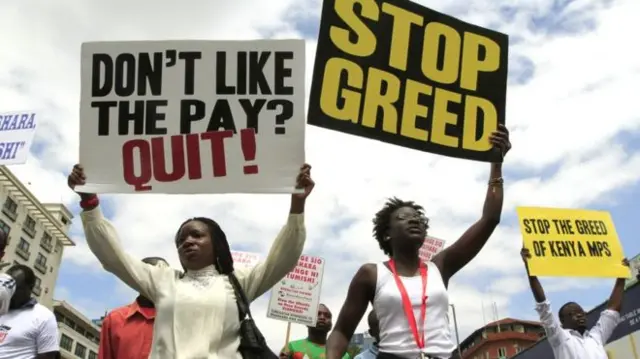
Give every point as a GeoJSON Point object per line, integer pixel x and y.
{"type": "Point", "coordinates": [581, 251]}
{"type": "Point", "coordinates": [150, 73]}
{"type": "Point", "coordinates": [258, 83]}
{"type": "Point", "coordinates": [241, 74]}
{"type": "Point", "coordinates": [545, 226]}
{"type": "Point", "coordinates": [606, 250]}
{"type": "Point", "coordinates": [552, 248]}
{"type": "Point", "coordinates": [190, 111]}
{"type": "Point", "coordinates": [125, 75]}
{"type": "Point", "coordinates": [135, 115]}
{"type": "Point", "coordinates": [189, 58]}
{"type": "Point", "coordinates": [527, 227]}
{"type": "Point", "coordinates": [221, 117]}
{"type": "Point", "coordinates": [221, 75]}
{"type": "Point", "coordinates": [286, 113]}
{"type": "Point", "coordinates": [152, 116]}
{"type": "Point", "coordinates": [101, 65]}
{"type": "Point", "coordinates": [594, 251]}
{"type": "Point", "coordinates": [252, 110]}
{"type": "Point", "coordinates": [282, 72]}
{"type": "Point", "coordinates": [538, 249]}
{"type": "Point", "coordinates": [104, 115]}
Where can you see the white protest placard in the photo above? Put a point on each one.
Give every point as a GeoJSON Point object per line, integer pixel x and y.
{"type": "Point", "coordinates": [296, 297]}
{"type": "Point", "coordinates": [245, 259]}
{"type": "Point", "coordinates": [430, 248]}
{"type": "Point", "coordinates": [634, 264]}
{"type": "Point", "coordinates": [192, 116]}
{"type": "Point", "coordinates": [17, 130]}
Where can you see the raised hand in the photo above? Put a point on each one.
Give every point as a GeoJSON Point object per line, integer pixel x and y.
{"type": "Point", "coordinates": [304, 181]}
{"type": "Point", "coordinates": [500, 139]}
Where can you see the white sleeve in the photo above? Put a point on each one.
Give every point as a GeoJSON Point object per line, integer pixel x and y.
{"type": "Point", "coordinates": [47, 340]}
{"type": "Point", "coordinates": [609, 320]}
{"type": "Point", "coordinates": [7, 288]}
{"type": "Point", "coordinates": [551, 325]}
{"type": "Point", "coordinates": [102, 239]}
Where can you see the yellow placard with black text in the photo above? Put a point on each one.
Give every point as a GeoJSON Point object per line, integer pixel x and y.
{"type": "Point", "coordinates": [398, 72]}
{"type": "Point", "coordinates": [571, 243]}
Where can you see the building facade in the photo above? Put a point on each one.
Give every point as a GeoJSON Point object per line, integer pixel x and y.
{"type": "Point", "coordinates": [502, 339]}
{"type": "Point", "coordinates": [38, 233]}
{"type": "Point", "coordinates": [79, 337]}
{"type": "Point", "coordinates": [362, 341]}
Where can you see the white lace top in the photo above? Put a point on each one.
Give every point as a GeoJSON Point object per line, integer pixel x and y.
{"type": "Point", "coordinates": [196, 316]}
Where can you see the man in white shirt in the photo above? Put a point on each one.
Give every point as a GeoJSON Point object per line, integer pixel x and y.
{"type": "Point", "coordinates": [7, 284]}
{"type": "Point", "coordinates": [568, 334]}
{"type": "Point", "coordinates": [28, 330]}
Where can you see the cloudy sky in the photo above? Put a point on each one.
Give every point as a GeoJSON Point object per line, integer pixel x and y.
{"type": "Point", "coordinates": [572, 109]}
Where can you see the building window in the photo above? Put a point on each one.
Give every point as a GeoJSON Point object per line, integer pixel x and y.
{"type": "Point", "coordinates": [29, 226]}
{"type": "Point", "coordinates": [517, 348]}
{"type": "Point", "coordinates": [45, 242]}
{"type": "Point", "coordinates": [36, 288]}
{"type": "Point", "coordinates": [518, 328]}
{"type": "Point", "coordinates": [66, 342]}
{"type": "Point", "coordinates": [6, 229]}
{"type": "Point", "coordinates": [10, 209]}
{"type": "Point", "coordinates": [502, 352]}
{"type": "Point", "coordinates": [80, 351]}
{"type": "Point", "coordinates": [41, 263]}
{"type": "Point", "coordinates": [23, 249]}
{"type": "Point", "coordinates": [69, 322]}
{"type": "Point", "coordinates": [93, 355]}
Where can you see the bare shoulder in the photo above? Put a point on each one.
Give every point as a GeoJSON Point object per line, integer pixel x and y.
{"type": "Point", "coordinates": [366, 275]}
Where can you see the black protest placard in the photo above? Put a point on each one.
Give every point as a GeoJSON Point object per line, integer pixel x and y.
{"type": "Point", "coordinates": [398, 72]}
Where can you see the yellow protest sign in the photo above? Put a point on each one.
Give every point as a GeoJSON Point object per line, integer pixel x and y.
{"type": "Point", "coordinates": [571, 243]}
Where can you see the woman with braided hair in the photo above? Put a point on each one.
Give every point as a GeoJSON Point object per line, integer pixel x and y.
{"type": "Point", "coordinates": [410, 297]}
{"type": "Point", "coordinates": [196, 311]}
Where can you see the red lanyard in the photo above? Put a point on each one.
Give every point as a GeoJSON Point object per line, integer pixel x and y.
{"type": "Point", "coordinates": [418, 334]}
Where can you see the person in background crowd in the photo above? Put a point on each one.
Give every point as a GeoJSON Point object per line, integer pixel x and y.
{"type": "Point", "coordinates": [568, 336]}
{"type": "Point", "coordinates": [127, 331]}
{"type": "Point", "coordinates": [29, 330]}
{"type": "Point", "coordinates": [405, 291]}
{"type": "Point", "coordinates": [7, 283]}
{"type": "Point", "coordinates": [313, 347]}
{"type": "Point", "coordinates": [4, 240]}
{"type": "Point", "coordinates": [374, 331]}
{"type": "Point", "coordinates": [196, 311]}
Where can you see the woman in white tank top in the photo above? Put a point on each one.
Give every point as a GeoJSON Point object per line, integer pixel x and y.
{"type": "Point", "coordinates": [410, 297]}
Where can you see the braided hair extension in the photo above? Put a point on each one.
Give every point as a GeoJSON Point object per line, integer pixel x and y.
{"type": "Point", "coordinates": [223, 261]}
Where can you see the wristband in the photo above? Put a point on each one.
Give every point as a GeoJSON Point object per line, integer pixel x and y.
{"type": "Point", "coordinates": [90, 202]}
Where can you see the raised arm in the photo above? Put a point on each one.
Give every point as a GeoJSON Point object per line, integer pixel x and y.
{"type": "Point", "coordinates": [550, 323]}
{"type": "Point", "coordinates": [617, 294]}
{"type": "Point", "coordinates": [534, 283]}
{"type": "Point", "coordinates": [461, 252]}
{"type": "Point", "coordinates": [610, 317]}
{"type": "Point", "coordinates": [361, 292]}
{"type": "Point", "coordinates": [287, 247]}
{"type": "Point", "coordinates": [102, 239]}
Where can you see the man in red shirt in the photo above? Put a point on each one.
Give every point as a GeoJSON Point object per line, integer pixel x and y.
{"type": "Point", "coordinates": [127, 331]}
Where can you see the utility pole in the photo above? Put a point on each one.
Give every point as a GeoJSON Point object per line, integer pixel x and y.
{"type": "Point", "coordinates": [455, 324]}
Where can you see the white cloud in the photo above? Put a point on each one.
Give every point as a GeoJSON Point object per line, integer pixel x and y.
{"type": "Point", "coordinates": [565, 118]}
